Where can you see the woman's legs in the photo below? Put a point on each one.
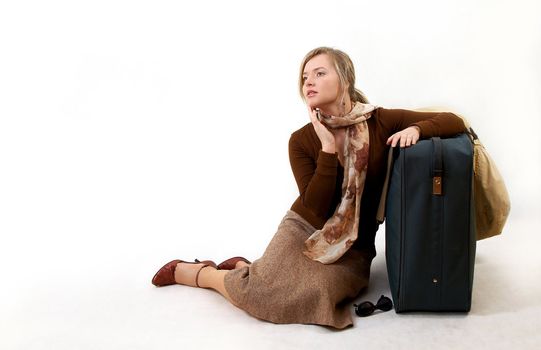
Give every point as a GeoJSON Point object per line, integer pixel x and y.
{"type": "Point", "coordinates": [209, 277]}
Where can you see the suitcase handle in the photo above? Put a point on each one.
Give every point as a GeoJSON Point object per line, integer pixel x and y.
{"type": "Point", "coordinates": [437, 167]}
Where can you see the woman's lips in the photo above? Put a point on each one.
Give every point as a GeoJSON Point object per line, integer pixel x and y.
{"type": "Point", "coordinates": [311, 93]}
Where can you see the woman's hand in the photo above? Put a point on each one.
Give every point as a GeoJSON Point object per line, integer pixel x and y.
{"type": "Point", "coordinates": [407, 137]}
{"type": "Point", "coordinates": [325, 136]}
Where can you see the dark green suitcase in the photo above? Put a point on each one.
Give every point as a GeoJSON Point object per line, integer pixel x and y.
{"type": "Point", "coordinates": [430, 229]}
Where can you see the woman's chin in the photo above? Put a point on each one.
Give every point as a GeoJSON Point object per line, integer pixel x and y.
{"type": "Point", "coordinates": [313, 104]}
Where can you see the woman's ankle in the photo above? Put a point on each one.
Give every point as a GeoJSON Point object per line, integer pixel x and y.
{"type": "Point", "coordinates": [189, 274]}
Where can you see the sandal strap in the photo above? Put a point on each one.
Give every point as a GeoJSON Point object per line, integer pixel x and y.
{"type": "Point", "coordinates": [197, 275]}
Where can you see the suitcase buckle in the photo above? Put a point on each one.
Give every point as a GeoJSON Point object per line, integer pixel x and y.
{"type": "Point", "coordinates": [437, 185]}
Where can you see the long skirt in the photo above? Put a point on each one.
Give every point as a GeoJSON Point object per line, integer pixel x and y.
{"type": "Point", "coordinates": [285, 286]}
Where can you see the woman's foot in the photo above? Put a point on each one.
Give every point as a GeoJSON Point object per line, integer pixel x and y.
{"type": "Point", "coordinates": [188, 273]}
{"type": "Point", "coordinates": [234, 263]}
{"type": "Point", "coordinates": [240, 264]}
{"type": "Point", "coordinates": [166, 274]}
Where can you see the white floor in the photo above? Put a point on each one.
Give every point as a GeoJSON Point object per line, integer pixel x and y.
{"type": "Point", "coordinates": [48, 303]}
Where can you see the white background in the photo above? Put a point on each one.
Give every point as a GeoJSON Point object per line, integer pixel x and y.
{"type": "Point", "coordinates": [135, 132]}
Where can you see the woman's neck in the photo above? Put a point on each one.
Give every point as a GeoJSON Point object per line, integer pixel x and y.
{"type": "Point", "coordinates": [336, 109]}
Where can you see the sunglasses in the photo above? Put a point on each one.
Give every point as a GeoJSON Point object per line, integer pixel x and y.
{"type": "Point", "coordinates": [367, 308]}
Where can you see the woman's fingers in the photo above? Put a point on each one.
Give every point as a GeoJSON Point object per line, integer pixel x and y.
{"type": "Point", "coordinates": [325, 136]}
{"type": "Point", "coordinates": [315, 121]}
{"type": "Point", "coordinates": [404, 138]}
{"type": "Point", "coordinates": [393, 139]}
{"type": "Point", "coordinates": [311, 113]}
{"type": "Point", "coordinates": [414, 139]}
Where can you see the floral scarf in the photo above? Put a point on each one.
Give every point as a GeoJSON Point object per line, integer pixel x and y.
{"type": "Point", "coordinates": [340, 231]}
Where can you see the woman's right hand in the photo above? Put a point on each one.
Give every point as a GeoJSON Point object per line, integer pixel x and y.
{"type": "Point", "coordinates": [325, 136]}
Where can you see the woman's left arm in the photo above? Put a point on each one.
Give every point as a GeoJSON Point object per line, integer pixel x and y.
{"type": "Point", "coordinates": [407, 127]}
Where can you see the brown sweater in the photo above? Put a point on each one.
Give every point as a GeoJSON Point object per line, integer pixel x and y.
{"type": "Point", "coordinates": [319, 175]}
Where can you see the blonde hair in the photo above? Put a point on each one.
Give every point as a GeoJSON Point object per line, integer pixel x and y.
{"type": "Point", "coordinates": [344, 68]}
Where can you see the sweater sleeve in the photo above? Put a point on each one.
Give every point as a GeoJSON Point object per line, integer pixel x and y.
{"type": "Point", "coordinates": [443, 124]}
{"type": "Point", "coordinates": [316, 178]}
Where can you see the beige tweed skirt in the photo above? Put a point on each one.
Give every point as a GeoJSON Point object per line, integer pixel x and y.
{"type": "Point", "coordinates": [285, 286]}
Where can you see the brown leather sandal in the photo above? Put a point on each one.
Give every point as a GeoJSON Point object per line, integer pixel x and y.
{"type": "Point", "coordinates": [166, 275]}
{"type": "Point", "coordinates": [230, 263]}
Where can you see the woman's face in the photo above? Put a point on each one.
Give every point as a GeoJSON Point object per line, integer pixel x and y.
{"type": "Point", "coordinates": [321, 86]}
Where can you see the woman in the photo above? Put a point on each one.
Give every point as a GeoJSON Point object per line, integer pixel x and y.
{"type": "Point", "coordinates": [289, 284]}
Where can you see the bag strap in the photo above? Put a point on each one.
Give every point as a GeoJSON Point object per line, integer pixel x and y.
{"type": "Point", "coordinates": [380, 216]}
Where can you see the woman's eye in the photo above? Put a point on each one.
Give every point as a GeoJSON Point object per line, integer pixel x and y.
{"type": "Point", "coordinates": [303, 78]}
{"type": "Point", "coordinates": [320, 74]}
